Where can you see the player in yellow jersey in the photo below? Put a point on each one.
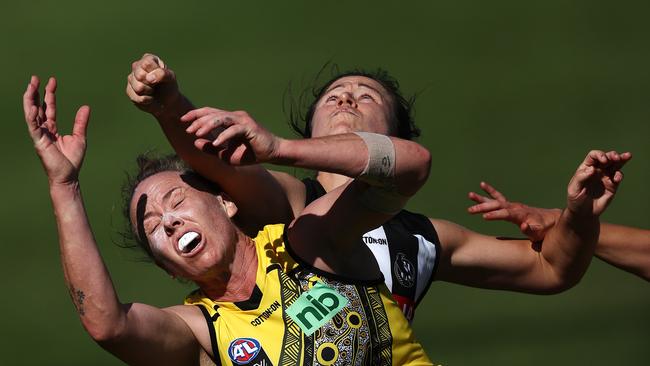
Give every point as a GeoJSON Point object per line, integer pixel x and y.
{"type": "Point", "coordinates": [303, 295]}
{"type": "Point", "coordinates": [309, 293]}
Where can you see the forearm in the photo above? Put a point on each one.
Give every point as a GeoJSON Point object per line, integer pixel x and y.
{"type": "Point", "coordinates": [569, 246]}
{"type": "Point", "coordinates": [246, 185]}
{"type": "Point", "coordinates": [85, 274]}
{"type": "Point", "coordinates": [625, 247]}
{"type": "Point", "coordinates": [347, 154]}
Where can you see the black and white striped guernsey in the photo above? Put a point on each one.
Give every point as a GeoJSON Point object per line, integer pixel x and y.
{"type": "Point", "coordinates": [406, 248]}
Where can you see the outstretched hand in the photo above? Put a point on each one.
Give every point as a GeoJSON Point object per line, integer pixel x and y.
{"type": "Point", "coordinates": [151, 85]}
{"type": "Point", "coordinates": [234, 136]}
{"type": "Point", "coordinates": [594, 184]}
{"type": "Point", "coordinates": [61, 155]}
{"type": "Point", "coordinates": [533, 222]}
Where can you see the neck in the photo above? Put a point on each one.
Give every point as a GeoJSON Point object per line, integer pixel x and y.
{"type": "Point", "coordinates": [236, 283]}
{"type": "Point", "coordinates": [331, 181]}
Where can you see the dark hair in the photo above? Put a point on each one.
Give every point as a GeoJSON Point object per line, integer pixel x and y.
{"type": "Point", "coordinates": [302, 110]}
{"type": "Point", "coordinates": [149, 164]}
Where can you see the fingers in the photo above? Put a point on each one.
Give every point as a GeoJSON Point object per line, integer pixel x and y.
{"type": "Point", "coordinates": [492, 192]}
{"type": "Point", "coordinates": [28, 96]}
{"type": "Point", "coordinates": [150, 62]}
{"type": "Point", "coordinates": [81, 122]}
{"type": "Point", "coordinates": [49, 107]}
{"type": "Point", "coordinates": [477, 197]}
{"type": "Point", "coordinates": [533, 232]}
{"type": "Point", "coordinates": [159, 76]}
{"type": "Point", "coordinates": [228, 134]}
{"type": "Point", "coordinates": [486, 206]}
{"type": "Point", "coordinates": [32, 123]}
{"type": "Point", "coordinates": [151, 70]}
{"type": "Point", "coordinates": [198, 113]}
{"type": "Point", "coordinates": [137, 98]}
{"type": "Point", "coordinates": [201, 143]}
{"type": "Point", "coordinates": [501, 214]}
{"type": "Point", "coordinates": [204, 124]}
{"type": "Point", "coordinates": [594, 157]}
{"type": "Point", "coordinates": [139, 87]}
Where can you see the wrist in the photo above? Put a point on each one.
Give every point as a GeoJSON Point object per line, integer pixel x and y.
{"type": "Point", "coordinates": [59, 189]}
{"type": "Point", "coordinates": [171, 106]}
{"type": "Point", "coordinates": [281, 151]}
{"type": "Point", "coordinates": [579, 220]}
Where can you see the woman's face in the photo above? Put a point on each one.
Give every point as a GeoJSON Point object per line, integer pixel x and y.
{"type": "Point", "coordinates": [187, 227]}
{"type": "Point", "coordinates": [353, 104]}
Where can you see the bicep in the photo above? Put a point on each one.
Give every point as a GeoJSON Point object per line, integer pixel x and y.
{"type": "Point", "coordinates": [478, 260]}
{"type": "Point", "coordinates": [339, 217]}
{"type": "Point", "coordinates": [262, 196]}
{"type": "Point", "coordinates": [155, 336]}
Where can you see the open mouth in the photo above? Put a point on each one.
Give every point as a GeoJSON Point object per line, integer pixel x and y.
{"type": "Point", "coordinates": [189, 241]}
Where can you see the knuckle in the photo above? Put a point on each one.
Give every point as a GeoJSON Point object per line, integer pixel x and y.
{"type": "Point", "coordinates": [138, 88]}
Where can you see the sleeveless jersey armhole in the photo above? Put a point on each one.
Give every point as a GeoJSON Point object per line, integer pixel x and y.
{"type": "Point", "coordinates": [213, 335]}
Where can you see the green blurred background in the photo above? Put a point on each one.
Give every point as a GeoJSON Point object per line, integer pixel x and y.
{"type": "Point", "coordinates": [510, 92]}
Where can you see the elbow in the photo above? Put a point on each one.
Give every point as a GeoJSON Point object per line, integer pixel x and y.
{"type": "Point", "coordinates": [420, 168]}
{"type": "Point", "coordinates": [560, 283]}
{"type": "Point", "coordinates": [558, 287]}
{"type": "Point", "coordinates": [103, 335]}
{"type": "Point", "coordinates": [104, 332]}
{"type": "Point", "coordinates": [424, 165]}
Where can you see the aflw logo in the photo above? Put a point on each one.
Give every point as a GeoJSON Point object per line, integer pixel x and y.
{"type": "Point", "coordinates": [315, 307]}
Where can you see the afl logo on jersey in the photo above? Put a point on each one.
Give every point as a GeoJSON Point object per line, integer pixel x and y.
{"type": "Point", "coordinates": [243, 350]}
{"type": "Point", "coordinates": [404, 270]}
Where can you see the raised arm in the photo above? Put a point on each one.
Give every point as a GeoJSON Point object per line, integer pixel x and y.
{"type": "Point", "coordinates": [153, 88]}
{"type": "Point", "coordinates": [136, 333]}
{"type": "Point", "coordinates": [552, 265]}
{"type": "Point", "coordinates": [625, 247]}
{"type": "Point", "coordinates": [388, 171]}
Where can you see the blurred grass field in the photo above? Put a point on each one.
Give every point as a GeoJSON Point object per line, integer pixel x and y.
{"type": "Point", "coordinates": [510, 92]}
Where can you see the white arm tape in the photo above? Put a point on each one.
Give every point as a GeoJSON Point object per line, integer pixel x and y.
{"type": "Point", "coordinates": [379, 173]}
{"type": "Point", "coordinates": [380, 170]}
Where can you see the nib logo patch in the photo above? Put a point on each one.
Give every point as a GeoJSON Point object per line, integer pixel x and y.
{"type": "Point", "coordinates": [315, 307]}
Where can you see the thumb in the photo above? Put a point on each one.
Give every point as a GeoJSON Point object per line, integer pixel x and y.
{"type": "Point", "coordinates": [533, 232]}
{"type": "Point", "coordinates": [81, 122]}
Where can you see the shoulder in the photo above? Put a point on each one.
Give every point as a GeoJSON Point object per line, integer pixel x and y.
{"type": "Point", "coordinates": [294, 189]}
{"type": "Point", "coordinates": [195, 320]}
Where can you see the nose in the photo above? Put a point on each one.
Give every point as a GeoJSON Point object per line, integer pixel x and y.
{"type": "Point", "coordinates": [171, 223]}
{"type": "Point", "coordinates": [346, 99]}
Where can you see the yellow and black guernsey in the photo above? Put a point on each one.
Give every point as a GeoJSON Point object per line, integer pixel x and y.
{"type": "Point", "coordinates": [298, 315]}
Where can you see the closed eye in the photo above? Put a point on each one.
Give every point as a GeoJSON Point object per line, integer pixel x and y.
{"type": "Point", "coordinates": [178, 202]}
{"type": "Point", "coordinates": [177, 198]}
{"type": "Point", "coordinates": [366, 97]}
{"type": "Point", "coordinates": [151, 225]}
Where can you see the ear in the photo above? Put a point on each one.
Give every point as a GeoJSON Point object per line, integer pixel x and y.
{"type": "Point", "coordinates": [228, 205]}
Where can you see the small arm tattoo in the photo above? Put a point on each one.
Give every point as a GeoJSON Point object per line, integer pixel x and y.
{"type": "Point", "coordinates": [78, 298]}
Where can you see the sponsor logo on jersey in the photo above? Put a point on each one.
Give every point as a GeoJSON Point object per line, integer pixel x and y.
{"type": "Point", "coordinates": [266, 314]}
{"type": "Point", "coordinates": [316, 307]}
{"type": "Point", "coordinates": [243, 350]}
{"type": "Point", "coordinates": [404, 270]}
{"type": "Point", "coordinates": [372, 240]}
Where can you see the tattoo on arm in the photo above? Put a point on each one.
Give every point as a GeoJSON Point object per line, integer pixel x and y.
{"type": "Point", "coordinates": [78, 298]}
